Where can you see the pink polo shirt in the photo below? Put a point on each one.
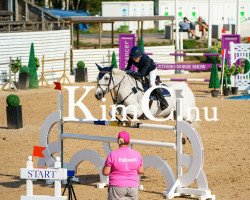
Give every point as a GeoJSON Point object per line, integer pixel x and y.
{"type": "Point", "coordinates": [124, 163]}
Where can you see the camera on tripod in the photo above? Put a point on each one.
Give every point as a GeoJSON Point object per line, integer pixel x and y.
{"type": "Point", "coordinates": [69, 186]}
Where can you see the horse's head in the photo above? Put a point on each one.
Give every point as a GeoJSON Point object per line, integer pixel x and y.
{"type": "Point", "coordinates": [104, 81]}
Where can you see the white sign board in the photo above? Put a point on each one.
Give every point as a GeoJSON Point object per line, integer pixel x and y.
{"type": "Point", "coordinates": [52, 174]}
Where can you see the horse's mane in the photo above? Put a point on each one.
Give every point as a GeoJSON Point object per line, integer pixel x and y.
{"type": "Point", "coordinates": [118, 72]}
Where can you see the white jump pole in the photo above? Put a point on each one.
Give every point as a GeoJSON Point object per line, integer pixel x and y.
{"type": "Point", "coordinates": [238, 18]}
{"type": "Point", "coordinates": [114, 140]}
{"type": "Point", "coordinates": [209, 24]}
{"type": "Point", "coordinates": [177, 35]}
{"type": "Point", "coordinates": [223, 68]}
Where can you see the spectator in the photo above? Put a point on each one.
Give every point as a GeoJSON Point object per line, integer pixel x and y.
{"type": "Point", "coordinates": [187, 26]}
{"type": "Point", "coordinates": [123, 167]}
{"type": "Point", "coordinates": [203, 26]}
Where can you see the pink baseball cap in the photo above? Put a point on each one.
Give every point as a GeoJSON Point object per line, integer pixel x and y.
{"type": "Point", "coordinates": [125, 136]}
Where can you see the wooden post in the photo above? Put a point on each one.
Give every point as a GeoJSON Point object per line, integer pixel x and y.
{"type": "Point", "coordinates": [43, 79]}
{"type": "Point", "coordinates": [16, 10]}
{"type": "Point", "coordinates": [26, 11]}
{"type": "Point", "coordinates": [64, 76]}
{"type": "Point", "coordinates": [42, 20]}
{"type": "Point", "coordinates": [72, 34]}
{"type": "Point", "coordinates": [112, 34]}
{"type": "Point", "coordinates": [141, 29]}
{"type": "Point", "coordinates": [100, 35]}
{"type": "Point", "coordinates": [77, 37]}
{"type": "Point", "coordinates": [138, 29]}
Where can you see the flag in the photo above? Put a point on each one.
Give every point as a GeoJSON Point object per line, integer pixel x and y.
{"type": "Point", "coordinates": [38, 151]}
{"type": "Point", "coordinates": [58, 86]}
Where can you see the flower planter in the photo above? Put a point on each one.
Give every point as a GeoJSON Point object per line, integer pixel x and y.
{"type": "Point", "coordinates": [14, 117]}
{"type": "Point", "coordinates": [226, 91]}
{"type": "Point", "coordinates": [23, 83]}
{"type": "Point", "coordinates": [215, 93]}
{"type": "Point", "coordinates": [234, 90]}
{"type": "Point", "coordinates": [81, 75]}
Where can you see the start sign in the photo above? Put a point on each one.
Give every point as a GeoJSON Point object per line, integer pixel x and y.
{"type": "Point", "coordinates": [50, 173]}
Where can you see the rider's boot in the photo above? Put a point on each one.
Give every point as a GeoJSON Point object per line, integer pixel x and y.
{"type": "Point", "coordinates": [159, 95]}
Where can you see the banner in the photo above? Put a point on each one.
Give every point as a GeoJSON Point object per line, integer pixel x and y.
{"type": "Point", "coordinates": [126, 42]}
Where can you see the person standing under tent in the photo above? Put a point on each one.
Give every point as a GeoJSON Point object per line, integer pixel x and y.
{"type": "Point", "coordinates": [123, 166]}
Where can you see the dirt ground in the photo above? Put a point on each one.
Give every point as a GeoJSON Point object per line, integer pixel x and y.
{"type": "Point", "coordinates": [226, 145]}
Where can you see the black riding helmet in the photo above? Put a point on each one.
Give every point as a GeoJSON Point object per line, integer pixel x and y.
{"type": "Point", "coordinates": [135, 52]}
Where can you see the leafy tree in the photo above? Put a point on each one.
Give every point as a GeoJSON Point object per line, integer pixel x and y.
{"type": "Point", "coordinates": [141, 44]}
{"type": "Point", "coordinates": [33, 68]}
{"type": "Point", "coordinates": [247, 66]}
{"type": "Point", "coordinates": [214, 77]}
{"type": "Point", "coordinates": [114, 61]}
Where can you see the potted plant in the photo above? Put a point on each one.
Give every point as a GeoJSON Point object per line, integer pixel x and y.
{"type": "Point", "coordinates": [81, 72]}
{"type": "Point", "coordinates": [24, 78]}
{"type": "Point", "coordinates": [214, 80]}
{"type": "Point", "coordinates": [226, 88]}
{"type": "Point", "coordinates": [14, 112]}
{"type": "Point", "coordinates": [234, 70]}
{"type": "Point", "coordinates": [15, 66]}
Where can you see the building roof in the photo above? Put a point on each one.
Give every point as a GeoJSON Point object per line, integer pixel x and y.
{"type": "Point", "coordinates": [94, 19]}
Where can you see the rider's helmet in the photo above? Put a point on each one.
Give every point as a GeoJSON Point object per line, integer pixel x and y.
{"type": "Point", "coordinates": [135, 52]}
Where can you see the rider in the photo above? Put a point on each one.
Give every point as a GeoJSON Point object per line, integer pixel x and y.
{"type": "Point", "coordinates": [146, 67]}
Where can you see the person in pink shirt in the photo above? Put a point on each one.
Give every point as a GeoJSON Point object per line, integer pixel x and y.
{"type": "Point", "coordinates": [123, 167]}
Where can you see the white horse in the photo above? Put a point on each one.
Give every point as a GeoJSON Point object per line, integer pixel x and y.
{"type": "Point", "coordinates": [126, 90]}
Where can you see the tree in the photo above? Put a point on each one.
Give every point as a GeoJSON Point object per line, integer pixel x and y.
{"type": "Point", "coordinates": [114, 61]}
{"type": "Point", "coordinates": [141, 44]}
{"type": "Point", "coordinates": [214, 77]}
{"type": "Point", "coordinates": [247, 66]}
{"type": "Point", "coordinates": [33, 68]}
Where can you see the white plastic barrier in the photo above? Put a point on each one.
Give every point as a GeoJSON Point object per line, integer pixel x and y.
{"type": "Point", "coordinates": [178, 185]}
{"type": "Point", "coordinates": [31, 174]}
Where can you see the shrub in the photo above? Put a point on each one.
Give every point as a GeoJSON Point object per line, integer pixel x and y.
{"type": "Point", "coordinates": [123, 29]}
{"type": "Point", "coordinates": [15, 65]}
{"type": "Point", "coordinates": [24, 69]}
{"type": "Point", "coordinates": [80, 65]}
{"type": "Point", "coordinates": [37, 62]}
{"type": "Point", "coordinates": [12, 100]}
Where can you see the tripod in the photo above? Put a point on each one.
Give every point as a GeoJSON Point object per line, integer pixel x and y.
{"type": "Point", "coordinates": [71, 192]}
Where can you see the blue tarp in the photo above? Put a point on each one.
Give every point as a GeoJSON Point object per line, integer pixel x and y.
{"type": "Point", "coordinates": [70, 13]}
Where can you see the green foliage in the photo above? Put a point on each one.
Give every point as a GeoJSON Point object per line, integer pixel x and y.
{"type": "Point", "coordinates": [37, 62]}
{"type": "Point", "coordinates": [141, 44]}
{"type": "Point", "coordinates": [189, 44]}
{"type": "Point", "coordinates": [16, 65]}
{"type": "Point", "coordinates": [123, 29]}
{"type": "Point", "coordinates": [80, 65]}
{"type": "Point", "coordinates": [246, 66]}
{"type": "Point", "coordinates": [214, 77]}
{"type": "Point", "coordinates": [12, 100]}
{"type": "Point", "coordinates": [233, 70]}
{"type": "Point", "coordinates": [114, 61]}
{"type": "Point", "coordinates": [24, 69]}
{"type": "Point", "coordinates": [33, 68]}
{"type": "Point", "coordinates": [226, 78]}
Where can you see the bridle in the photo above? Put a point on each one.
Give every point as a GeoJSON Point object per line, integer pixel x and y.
{"type": "Point", "coordinates": [114, 95]}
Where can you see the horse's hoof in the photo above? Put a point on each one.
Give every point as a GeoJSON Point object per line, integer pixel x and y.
{"type": "Point", "coordinates": [183, 141]}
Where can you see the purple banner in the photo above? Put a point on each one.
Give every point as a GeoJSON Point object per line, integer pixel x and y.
{"type": "Point", "coordinates": [185, 66]}
{"type": "Point", "coordinates": [226, 39]}
{"type": "Point", "coordinates": [126, 42]}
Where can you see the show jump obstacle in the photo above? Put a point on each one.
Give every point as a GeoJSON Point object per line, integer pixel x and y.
{"type": "Point", "coordinates": [177, 185]}
{"type": "Point", "coordinates": [32, 174]}
{"type": "Point", "coordinates": [239, 51]}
